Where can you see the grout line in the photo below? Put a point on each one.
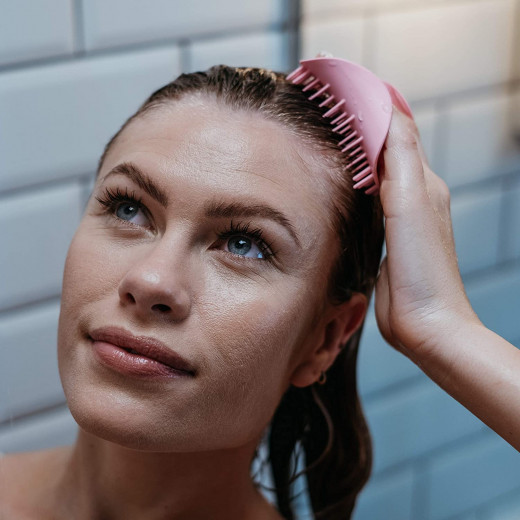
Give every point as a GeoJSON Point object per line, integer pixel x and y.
{"type": "Point", "coordinates": [28, 306]}
{"type": "Point", "coordinates": [294, 43]}
{"type": "Point", "coordinates": [79, 28]}
{"type": "Point", "coordinates": [45, 184]}
{"type": "Point", "coordinates": [420, 506]}
{"type": "Point", "coordinates": [399, 7]}
{"type": "Point", "coordinates": [504, 221]}
{"type": "Point", "coordinates": [510, 174]}
{"type": "Point", "coordinates": [185, 55]}
{"type": "Point", "coordinates": [10, 423]}
{"type": "Point", "coordinates": [480, 275]}
{"type": "Point", "coordinates": [128, 48]}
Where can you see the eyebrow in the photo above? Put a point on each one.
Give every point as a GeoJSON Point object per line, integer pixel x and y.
{"type": "Point", "coordinates": [141, 179]}
{"type": "Point", "coordinates": [213, 209]}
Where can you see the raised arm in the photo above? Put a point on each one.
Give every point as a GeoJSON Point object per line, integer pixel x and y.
{"type": "Point", "coordinates": [421, 306]}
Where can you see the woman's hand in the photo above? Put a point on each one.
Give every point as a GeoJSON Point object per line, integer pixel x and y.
{"type": "Point", "coordinates": [421, 306]}
{"type": "Point", "coordinates": [420, 299]}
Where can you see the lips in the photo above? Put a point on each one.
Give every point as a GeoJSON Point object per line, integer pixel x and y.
{"type": "Point", "coordinates": [143, 347]}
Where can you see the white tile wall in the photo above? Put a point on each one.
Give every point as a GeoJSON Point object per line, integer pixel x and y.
{"type": "Point", "coordinates": [387, 497]}
{"type": "Point", "coordinates": [479, 138]}
{"type": "Point", "coordinates": [496, 300]}
{"type": "Point", "coordinates": [261, 49]}
{"type": "Point", "coordinates": [409, 422]}
{"type": "Point", "coordinates": [508, 509]}
{"type": "Point", "coordinates": [31, 30]}
{"type": "Point", "coordinates": [42, 431]}
{"type": "Point", "coordinates": [342, 36]}
{"type": "Point", "coordinates": [36, 231]}
{"type": "Point", "coordinates": [427, 121]}
{"type": "Point", "coordinates": [379, 364]}
{"type": "Point", "coordinates": [317, 8]}
{"type": "Point", "coordinates": [450, 47]}
{"type": "Point", "coordinates": [117, 22]}
{"type": "Point", "coordinates": [56, 119]}
{"type": "Point", "coordinates": [472, 475]}
{"type": "Point", "coordinates": [28, 346]}
{"type": "Point", "coordinates": [56, 115]}
{"type": "Point", "coordinates": [476, 226]}
{"type": "Point", "coordinates": [512, 222]}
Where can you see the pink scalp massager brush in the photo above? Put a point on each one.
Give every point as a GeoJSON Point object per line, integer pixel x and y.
{"type": "Point", "coordinates": [360, 107]}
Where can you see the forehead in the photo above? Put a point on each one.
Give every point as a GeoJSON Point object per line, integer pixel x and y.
{"type": "Point", "coordinates": [215, 149]}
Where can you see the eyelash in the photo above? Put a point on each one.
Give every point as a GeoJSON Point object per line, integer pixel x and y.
{"type": "Point", "coordinates": [255, 234]}
{"type": "Point", "coordinates": [112, 199]}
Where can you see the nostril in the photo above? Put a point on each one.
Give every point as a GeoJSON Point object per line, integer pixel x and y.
{"type": "Point", "coordinates": [161, 307]}
{"type": "Point", "coordinates": [130, 298]}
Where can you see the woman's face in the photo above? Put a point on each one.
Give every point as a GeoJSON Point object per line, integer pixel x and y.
{"type": "Point", "coordinates": [207, 235]}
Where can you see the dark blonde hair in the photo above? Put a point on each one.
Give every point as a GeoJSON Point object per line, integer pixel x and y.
{"type": "Point", "coordinates": [325, 421]}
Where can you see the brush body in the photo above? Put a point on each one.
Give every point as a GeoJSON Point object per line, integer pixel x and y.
{"type": "Point", "coordinates": [359, 106]}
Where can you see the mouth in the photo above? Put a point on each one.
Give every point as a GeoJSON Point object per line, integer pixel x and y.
{"type": "Point", "coordinates": [138, 355]}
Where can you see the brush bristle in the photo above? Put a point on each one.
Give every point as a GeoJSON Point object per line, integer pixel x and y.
{"type": "Point", "coordinates": [352, 143]}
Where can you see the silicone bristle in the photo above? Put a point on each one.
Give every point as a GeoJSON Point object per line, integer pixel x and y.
{"type": "Point", "coordinates": [326, 101]}
{"type": "Point", "coordinates": [367, 181]}
{"type": "Point", "coordinates": [295, 73]}
{"type": "Point", "coordinates": [319, 92]}
{"type": "Point", "coordinates": [311, 84]}
{"type": "Point", "coordinates": [334, 109]}
{"type": "Point", "coordinates": [358, 152]}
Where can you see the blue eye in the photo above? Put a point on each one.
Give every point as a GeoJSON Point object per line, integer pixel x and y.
{"type": "Point", "coordinates": [245, 241]}
{"type": "Point", "coordinates": [127, 210]}
{"type": "Point", "coordinates": [124, 206]}
{"type": "Point", "coordinates": [243, 246]}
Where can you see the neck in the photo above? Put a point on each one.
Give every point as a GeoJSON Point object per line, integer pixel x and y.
{"type": "Point", "coordinates": [105, 480]}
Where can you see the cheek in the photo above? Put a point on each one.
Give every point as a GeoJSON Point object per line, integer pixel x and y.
{"type": "Point", "coordinates": [253, 338]}
{"type": "Point", "coordinates": [91, 270]}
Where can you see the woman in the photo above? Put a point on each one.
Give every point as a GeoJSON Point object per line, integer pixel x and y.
{"type": "Point", "coordinates": [216, 288]}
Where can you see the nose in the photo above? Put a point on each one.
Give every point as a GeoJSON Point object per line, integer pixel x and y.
{"type": "Point", "coordinates": [156, 286]}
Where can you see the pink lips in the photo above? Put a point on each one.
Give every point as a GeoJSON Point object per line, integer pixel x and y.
{"type": "Point", "coordinates": [137, 355]}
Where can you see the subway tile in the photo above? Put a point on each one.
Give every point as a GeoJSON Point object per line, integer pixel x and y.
{"type": "Point", "coordinates": [409, 422]}
{"type": "Point", "coordinates": [476, 226]}
{"type": "Point", "coordinates": [479, 139]}
{"type": "Point", "coordinates": [317, 8]}
{"type": "Point", "coordinates": [496, 300]}
{"type": "Point", "coordinates": [512, 222]}
{"type": "Point", "coordinates": [507, 508]}
{"type": "Point", "coordinates": [36, 230]}
{"type": "Point", "coordinates": [387, 497]}
{"type": "Point", "coordinates": [445, 48]}
{"type": "Point", "coordinates": [379, 364]}
{"type": "Point", "coordinates": [340, 36]}
{"type": "Point", "coordinates": [30, 378]}
{"type": "Point", "coordinates": [38, 432]}
{"type": "Point", "coordinates": [118, 22]}
{"type": "Point", "coordinates": [427, 121]}
{"type": "Point", "coordinates": [33, 30]}
{"type": "Point", "coordinates": [60, 116]}
{"type": "Point", "coordinates": [472, 475]}
{"type": "Point", "coordinates": [264, 49]}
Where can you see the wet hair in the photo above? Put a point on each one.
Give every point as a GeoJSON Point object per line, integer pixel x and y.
{"type": "Point", "coordinates": [324, 423]}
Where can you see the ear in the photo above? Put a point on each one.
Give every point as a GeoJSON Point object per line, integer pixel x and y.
{"type": "Point", "coordinates": [338, 325]}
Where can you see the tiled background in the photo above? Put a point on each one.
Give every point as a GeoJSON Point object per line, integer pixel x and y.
{"type": "Point", "coordinates": [72, 70]}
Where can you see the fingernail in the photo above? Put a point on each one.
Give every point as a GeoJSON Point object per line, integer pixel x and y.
{"type": "Point", "coordinates": [398, 100]}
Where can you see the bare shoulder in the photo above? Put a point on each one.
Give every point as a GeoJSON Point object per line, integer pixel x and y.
{"type": "Point", "coordinates": [25, 479]}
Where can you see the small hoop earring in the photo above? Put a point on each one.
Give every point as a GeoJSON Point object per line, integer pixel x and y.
{"type": "Point", "coordinates": [323, 378]}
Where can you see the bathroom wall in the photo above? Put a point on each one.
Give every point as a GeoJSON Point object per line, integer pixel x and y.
{"type": "Point", "coordinates": [458, 63]}
{"type": "Point", "coordinates": [72, 70]}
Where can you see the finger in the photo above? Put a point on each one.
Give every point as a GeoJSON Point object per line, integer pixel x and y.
{"type": "Point", "coordinates": [403, 180]}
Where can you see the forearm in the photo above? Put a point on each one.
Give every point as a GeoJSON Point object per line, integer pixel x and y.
{"type": "Point", "coordinates": [481, 370]}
